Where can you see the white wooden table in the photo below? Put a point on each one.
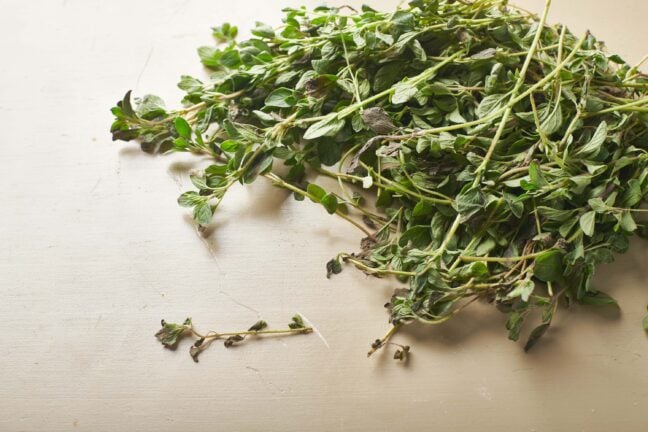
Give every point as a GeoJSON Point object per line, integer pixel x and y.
{"type": "Point", "coordinates": [94, 251]}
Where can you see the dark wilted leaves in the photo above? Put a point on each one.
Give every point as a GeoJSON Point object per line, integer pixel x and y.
{"type": "Point", "coordinates": [297, 322]}
{"type": "Point", "coordinates": [333, 267]}
{"type": "Point", "coordinates": [535, 335]}
{"type": "Point", "coordinates": [402, 353]}
{"type": "Point", "coordinates": [378, 120]}
{"type": "Point", "coordinates": [171, 333]}
{"type": "Point", "coordinates": [231, 340]}
{"type": "Point", "coordinates": [258, 326]}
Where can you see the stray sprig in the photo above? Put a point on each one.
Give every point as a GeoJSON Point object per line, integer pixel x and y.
{"type": "Point", "coordinates": [483, 153]}
{"type": "Point", "coordinates": [170, 334]}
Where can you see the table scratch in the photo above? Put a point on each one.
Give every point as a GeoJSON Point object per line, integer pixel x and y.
{"type": "Point", "coordinates": [315, 330]}
{"type": "Point", "coordinates": [146, 62]}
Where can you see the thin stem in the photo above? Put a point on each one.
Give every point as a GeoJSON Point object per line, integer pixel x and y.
{"type": "Point", "coordinates": [445, 318]}
{"type": "Point", "coordinates": [522, 169]}
{"type": "Point", "coordinates": [181, 112]}
{"type": "Point", "coordinates": [374, 270]}
{"type": "Point", "coordinates": [217, 335]}
{"type": "Point", "coordinates": [516, 88]}
{"type": "Point", "coordinates": [618, 107]}
{"type": "Point", "coordinates": [381, 181]}
{"type": "Point", "coordinates": [243, 333]}
{"type": "Point", "coordinates": [439, 252]}
{"type": "Point", "coordinates": [278, 181]}
{"type": "Point", "coordinates": [638, 65]}
{"type": "Point", "coordinates": [376, 346]}
{"type": "Point", "coordinates": [501, 259]}
{"type": "Point", "coordinates": [354, 79]}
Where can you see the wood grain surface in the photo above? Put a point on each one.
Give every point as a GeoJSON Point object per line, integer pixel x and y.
{"type": "Point", "coordinates": [94, 251]}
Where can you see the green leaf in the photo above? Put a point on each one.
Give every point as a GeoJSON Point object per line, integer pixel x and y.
{"type": "Point", "coordinates": [553, 122]}
{"type": "Point", "coordinates": [418, 50]}
{"type": "Point", "coordinates": [595, 143]}
{"type": "Point", "coordinates": [597, 205]}
{"type": "Point", "coordinates": [126, 106]}
{"type": "Point", "coordinates": [262, 164]}
{"type": "Point", "coordinates": [281, 98]}
{"type": "Point", "coordinates": [566, 227]}
{"type": "Point", "coordinates": [548, 265]}
{"type": "Point", "coordinates": [535, 175]}
{"type": "Point", "coordinates": [422, 208]}
{"type": "Point", "coordinates": [230, 59]}
{"type": "Point", "coordinates": [535, 335]}
{"type": "Point", "coordinates": [403, 92]}
{"type": "Point", "coordinates": [515, 205]}
{"type": "Point", "coordinates": [555, 215]}
{"type": "Point", "coordinates": [198, 181]}
{"type": "Point", "coordinates": [387, 75]}
{"type": "Point", "coordinates": [587, 222]}
{"type": "Point", "coordinates": [330, 203]}
{"type": "Point", "coordinates": [263, 30]}
{"type": "Point", "coordinates": [180, 144]}
{"type": "Point", "coordinates": [403, 19]}
{"type": "Point", "coordinates": [190, 199]}
{"type": "Point", "coordinates": [316, 192]}
{"type": "Point", "coordinates": [632, 194]}
{"type": "Point", "coordinates": [224, 32]}
{"type": "Point", "coordinates": [263, 116]}
{"type": "Point", "coordinates": [210, 56]}
{"type": "Point", "coordinates": [478, 270]}
{"type": "Point", "coordinates": [627, 223]}
{"type": "Point", "coordinates": [469, 202]}
{"type": "Point", "coordinates": [203, 213]}
{"type": "Point", "coordinates": [328, 126]}
{"type": "Point", "coordinates": [230, 146]}
{"type": "Point", "coordinates": [645, 323]}
{"type": "Point", "coordinates": [522, 289]}
{"type": "Point", "coordinates": [485, 247]}
{"type": "Point", "coordinates": [182, 127]}
{"type": "Point", "coordinates": [329, 151]}
{"type": "Point", "coordinates": [514, 325]}
{"type": "Point", "coordinates": [491, 104]}
{"type": "Point", "coordinates": [598, 298]}
{"type": "Point", "coordinates": [418, 235]}
{"type": "Point", "coordinates": [150, 106]}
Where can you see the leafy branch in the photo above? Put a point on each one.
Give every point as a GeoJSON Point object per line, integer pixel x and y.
{"type": "Point", "coordinates": [170, 334]}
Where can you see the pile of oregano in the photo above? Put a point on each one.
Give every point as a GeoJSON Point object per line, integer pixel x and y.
{"type": "Point", "coordinates": [483, 153]}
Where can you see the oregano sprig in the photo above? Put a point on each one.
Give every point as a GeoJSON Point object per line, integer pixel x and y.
{"type": "Point", "coordinates": [170, 334]}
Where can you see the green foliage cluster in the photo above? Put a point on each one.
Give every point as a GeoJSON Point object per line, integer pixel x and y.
{"type": "Point", "coordinates": [483, 153]}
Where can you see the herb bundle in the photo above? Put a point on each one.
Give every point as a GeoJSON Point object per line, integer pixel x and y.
{"type": "Point", "coordinates": [483, 153]}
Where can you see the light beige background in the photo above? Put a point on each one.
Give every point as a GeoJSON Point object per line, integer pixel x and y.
{"type": "Point", "coordinates": [94, 251]}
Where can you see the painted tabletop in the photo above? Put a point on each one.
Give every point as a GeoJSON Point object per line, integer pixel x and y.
{"type": "Point", "coordinates": [94, 251]}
